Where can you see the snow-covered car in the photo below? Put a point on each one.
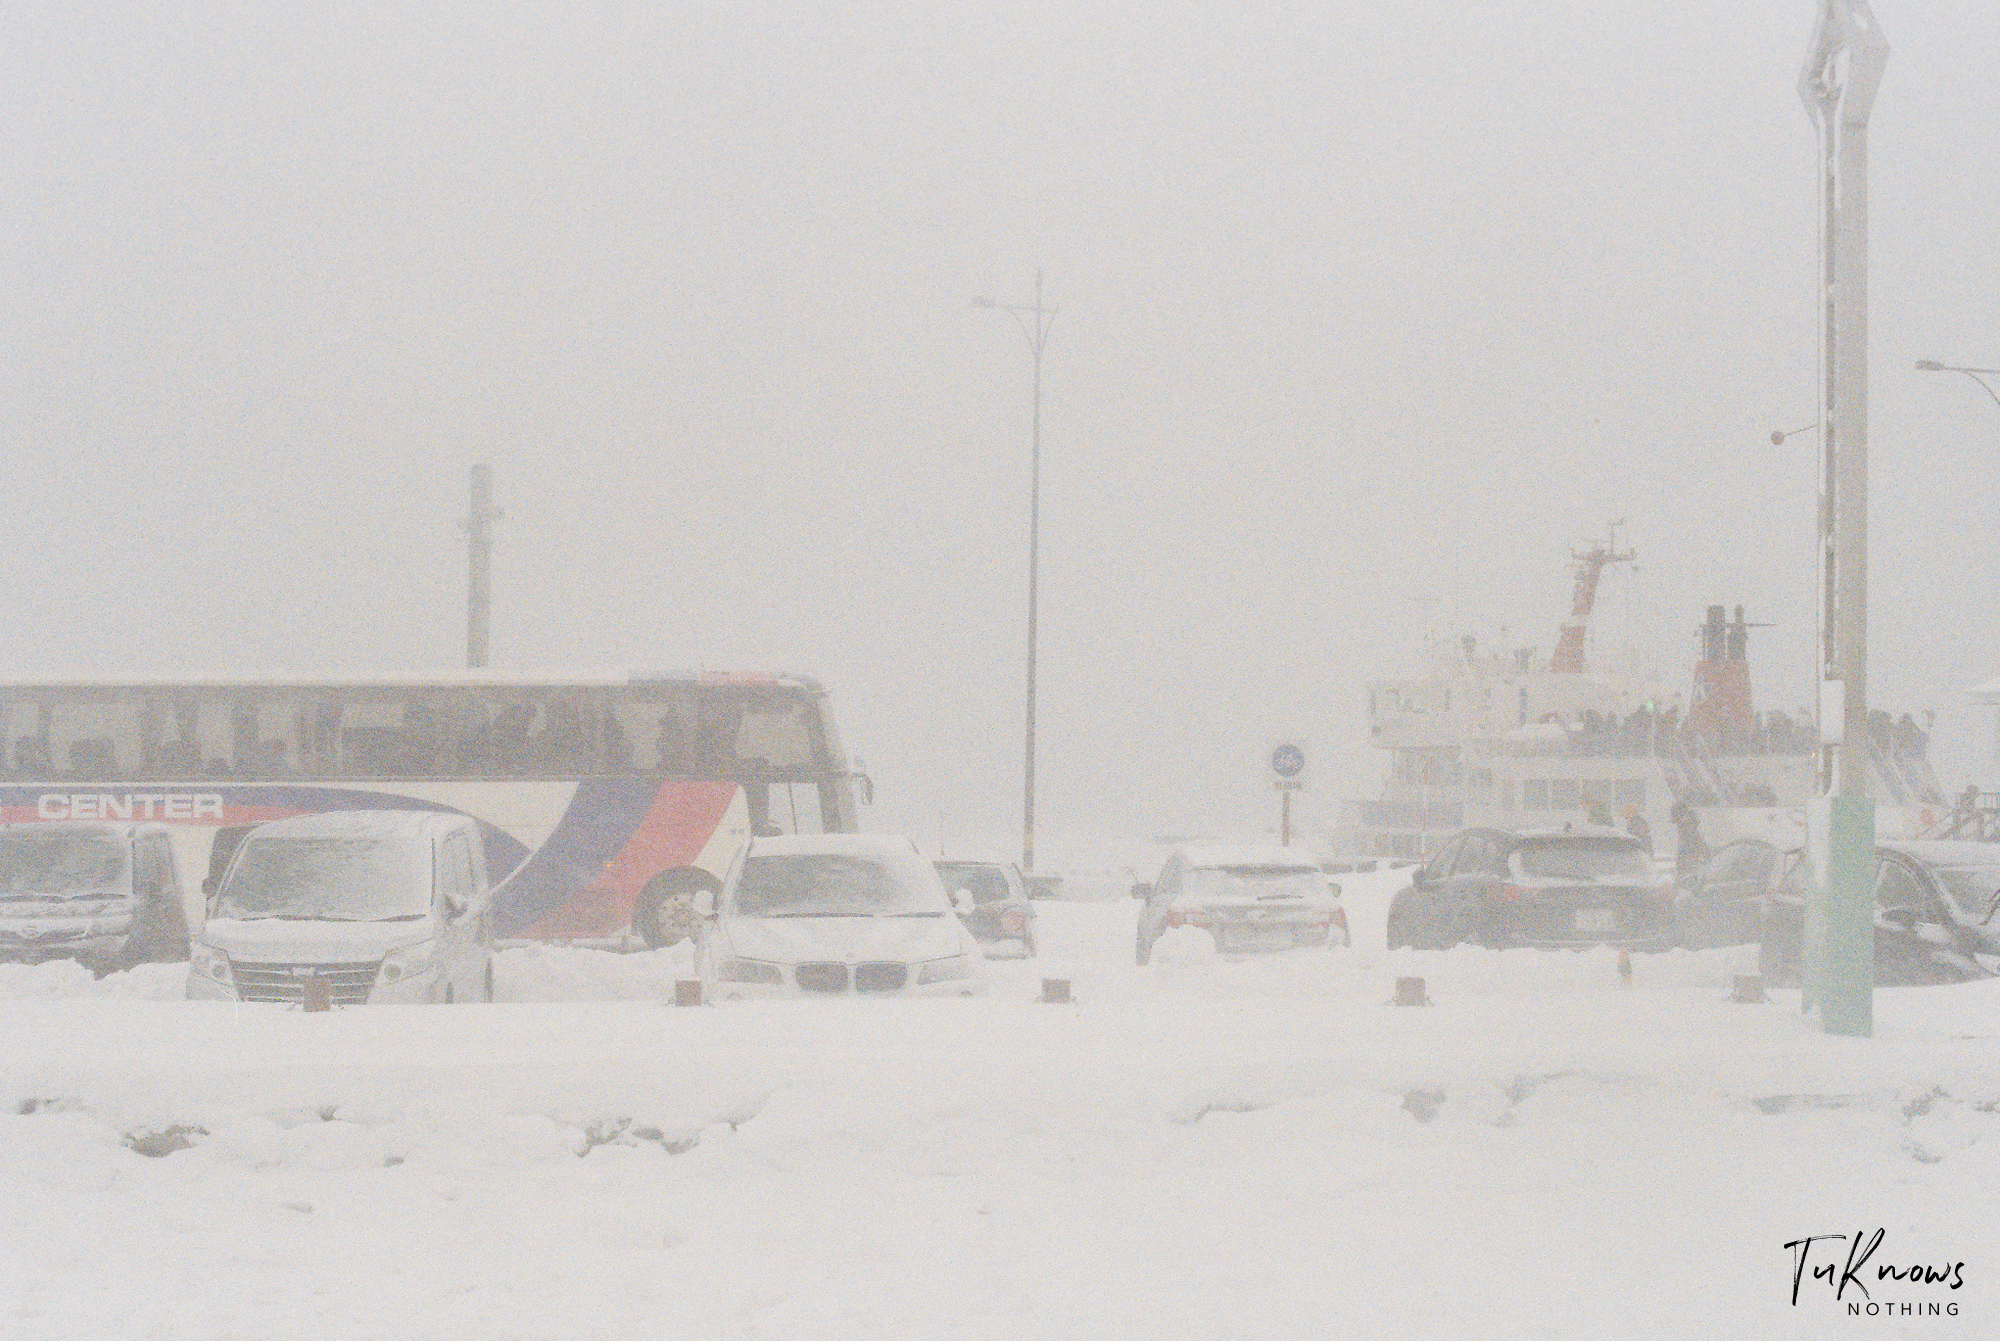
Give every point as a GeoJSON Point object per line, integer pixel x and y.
{"type": "Point", "coordinates": [827, 914]}
{"type": "Point", "coordinates": [1568, 888]}
{"type": "Point", "coordinates": [1001, 918]}
{"type": "Point", "coordinates": [1249, 899]}
{"type": "Point", "coordinates": [1935, 906]}
{"type": "Point", "coordinates": [106, 895]}
{"type": "Point", "coordinates": [378, 905]}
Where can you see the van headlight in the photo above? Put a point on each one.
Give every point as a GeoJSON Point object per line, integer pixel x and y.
{"type": "Point", "coordinates": [411, 961]}
{"type": "Point", "coordinates": [749, 970]}
{"type": "Point", "coordinates": [945, 970]}
{"type": "Point", "coordinates": [209, 962]}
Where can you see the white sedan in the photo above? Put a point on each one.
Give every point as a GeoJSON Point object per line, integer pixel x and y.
{"type": "Point", "coordinates": [830, 914]}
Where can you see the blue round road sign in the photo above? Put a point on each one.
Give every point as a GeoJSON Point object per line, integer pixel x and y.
{"type": "Point", "coordinates": [1288, 761]}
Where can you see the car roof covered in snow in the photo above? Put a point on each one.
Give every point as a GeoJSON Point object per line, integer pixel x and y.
{"type": "Point", "coordinates": [841, 844]}
{"type": "Point", "coordinates": [1945, 851]}
{"type": "Point", "coordinates": [1579, 831]}
{"type": "Point", "coordinates": [75, 828]}
{"type": "Point", "coordinates": [1220, 856]}
{"type": "Point", "coordinates": [362, 824]}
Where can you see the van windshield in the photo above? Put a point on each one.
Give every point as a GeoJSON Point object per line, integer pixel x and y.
{"type": "Point", "coordinates": [329, 880]}
{"type": "Point", "coordinates": [63, 864]}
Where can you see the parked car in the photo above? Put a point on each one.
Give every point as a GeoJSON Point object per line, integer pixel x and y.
{"type": "Point", "coordinates": [1250, 899]}
{"type": "Point", "coordinates": [380, 905]}
{"type": "Point", "coordinates": [105, 895]}
{"type": "Point", "coordinates": [1723, 903]}
{"type": "Point", "coordinates": [1569, 888]}
{"type": "Point", "coordinates": [1001, 918]}
{"type": "Point", "coordinates": [1935, 902]}
{"type": "Point", "coordinates": [831, 914]}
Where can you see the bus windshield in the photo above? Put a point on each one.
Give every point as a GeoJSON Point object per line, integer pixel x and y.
{"type": "Point", "coordinates": [328, 880]}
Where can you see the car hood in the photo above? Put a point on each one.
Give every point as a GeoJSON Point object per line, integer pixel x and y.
{"type": "Point", "coordinates": [793, 940]}
{"type": "Point", "coordinates": [271, 941]}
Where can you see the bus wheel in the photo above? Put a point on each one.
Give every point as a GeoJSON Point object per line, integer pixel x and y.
{"type": "Point", "coordinates": [664, 914]}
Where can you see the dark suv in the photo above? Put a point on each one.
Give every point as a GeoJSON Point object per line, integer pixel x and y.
{"type": "Point", "coordinates": [1550, 889]}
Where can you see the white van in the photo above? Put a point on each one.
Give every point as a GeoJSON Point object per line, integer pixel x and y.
{"type": "Point", "coordinates": [383, 905]}
{"type": "Point", "coordinates": [106, 895]}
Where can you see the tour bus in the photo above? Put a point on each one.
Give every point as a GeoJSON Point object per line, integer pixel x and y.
{"type": "Point", "coordinates": [601, 799]}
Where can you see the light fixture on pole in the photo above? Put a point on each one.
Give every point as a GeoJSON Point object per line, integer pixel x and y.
{"type": "Point", "coordinates": [1978, 375]}
{"type": "Point", "coordinates": [1035, 319]}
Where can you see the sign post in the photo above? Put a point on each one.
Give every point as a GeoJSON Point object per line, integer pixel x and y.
{"type": "Point", "coordinates": [1288, 774]}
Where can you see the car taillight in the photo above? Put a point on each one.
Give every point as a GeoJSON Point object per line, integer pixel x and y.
{"type": "Point", "coordinates": [1187, 917]}
{"type": "Point", "coordinates": [1512, 893]}
{"type": "Point", "coordinates": [1340, 918]}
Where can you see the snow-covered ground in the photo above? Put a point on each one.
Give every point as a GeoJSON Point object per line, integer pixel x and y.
{"type": "Point", "coordinates": [1200, 1148]}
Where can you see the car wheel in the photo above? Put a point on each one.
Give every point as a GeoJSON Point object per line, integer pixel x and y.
{"type": "Point", "coordinates": [1145, 950]}
{"type": "Point", "coordinates": [664, 914]}
{"type": "Point", "coordinates": [451, 994]}
{"type": "Point", "coordinates": [1028, 944]}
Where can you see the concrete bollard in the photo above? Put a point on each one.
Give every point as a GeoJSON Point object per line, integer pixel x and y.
{"type": "Point", "coordinates": [1749, 989]}
{"type": "Point", "coordinates": [1055, 991]}
{"type": "Point", "coordinates": [687, 992]}
{"type": "Point", "coordinates": [1410, 992]}
{"type": "Point", "coordinates": [315, 993]}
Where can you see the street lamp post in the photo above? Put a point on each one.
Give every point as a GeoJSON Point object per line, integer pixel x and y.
{"type": "Point", "coordinates": [1978, 375]}
{"type": "Point", "coordinates": [1842, 70]}
{"type": "Point", "coordinates": [1035, 321]}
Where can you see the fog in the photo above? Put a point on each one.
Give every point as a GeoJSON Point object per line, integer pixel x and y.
{"type": "Point", "coordinates": [1366, 318]}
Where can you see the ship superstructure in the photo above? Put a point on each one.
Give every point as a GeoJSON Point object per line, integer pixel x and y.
{"type": "Point", "coordinates": [1510, 739]}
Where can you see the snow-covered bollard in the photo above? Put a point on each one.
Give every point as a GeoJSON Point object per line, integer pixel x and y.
{"type": "Point", "coordinates": [1055, 991]}
{"type": "Point", "coordinates": [1749, 989]}
{"type": "Point", "coordinates": [1410, 992]}
{"type": "Point", "coordinates": [687, 991]}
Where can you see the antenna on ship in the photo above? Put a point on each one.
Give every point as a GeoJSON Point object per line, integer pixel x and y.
{"type": "Point", "coordinates": [1568, 656]}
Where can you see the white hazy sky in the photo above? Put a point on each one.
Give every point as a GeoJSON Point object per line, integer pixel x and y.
{"type": "Point", "coordinates": [1362, 306]}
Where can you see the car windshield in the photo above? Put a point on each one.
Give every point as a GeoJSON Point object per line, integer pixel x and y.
{"type": "Point", "coordinates": [32, 867]}
{"type": "Point", "coordinates": [1971, 887]}
{"type": "Point", "coordinates": [1252, 882]}
{"type": "Point", "coordinates": [824, 884]}
{"type": "Point", "coordinates": [988, 884]}
{"type": "Point", "coordinates": [328, 879]}
{"type": "Point", "coordinates": [1582, 858]}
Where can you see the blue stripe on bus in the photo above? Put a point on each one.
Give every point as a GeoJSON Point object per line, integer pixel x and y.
{"type": "Point", "coordinates": [601, 818]}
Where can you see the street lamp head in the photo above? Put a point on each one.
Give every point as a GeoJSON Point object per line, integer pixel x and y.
{"type": "Point", "coordinates": [1929, 365]}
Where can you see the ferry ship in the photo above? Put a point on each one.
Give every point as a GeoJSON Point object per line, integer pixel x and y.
{"type": "Point", "coordinates": [1509, 739]}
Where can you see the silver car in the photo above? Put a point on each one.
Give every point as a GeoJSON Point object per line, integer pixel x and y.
{"type": "Point", "coordinates": [1250, 899]}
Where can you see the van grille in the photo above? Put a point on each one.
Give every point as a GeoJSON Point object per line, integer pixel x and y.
{"type": "Point", "coordinates": [347, 984]}
{"type": "Point", "coordinates": [822, 977]}
{"type": "Point", "coordinates": [880, 977]}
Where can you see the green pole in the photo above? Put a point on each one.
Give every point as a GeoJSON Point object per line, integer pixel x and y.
{"type": "Point", "coordinates": [1845, 973]}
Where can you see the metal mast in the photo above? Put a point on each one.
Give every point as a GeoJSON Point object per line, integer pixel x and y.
{"type": "Point", "coordinates": [1842, 70]}
{"type": "Point", "coordinates": [478, 526]}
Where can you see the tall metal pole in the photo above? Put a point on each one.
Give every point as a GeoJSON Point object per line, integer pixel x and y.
{"type": "Point", "coordinates": [478, 526]}
{"type": "Point", "coordinates": [1839, 939]}
{"type": "Point", "coordinates": [1037, 331]}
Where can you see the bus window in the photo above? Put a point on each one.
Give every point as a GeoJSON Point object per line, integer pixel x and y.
{"type": "Point", "coordinates": [384, 733]}
{"type": "Point", "coordinates": [188, 735]}
{"type": "Point", "coordinates": [78, 734]}
{"type": "Point", "coordinates": [283, 733]}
